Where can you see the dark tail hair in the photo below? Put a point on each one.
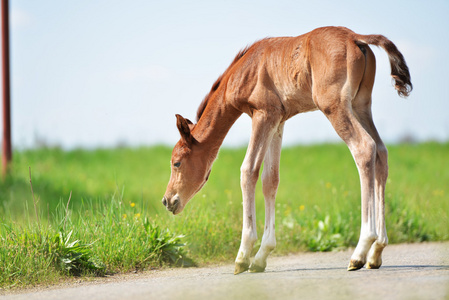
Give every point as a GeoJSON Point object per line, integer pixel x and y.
{"type": "Point", "coordinates": [399, 69]}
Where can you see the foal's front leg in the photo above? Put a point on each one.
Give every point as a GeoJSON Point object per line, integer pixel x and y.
{"type": "Point", "coordinates": [270, 182]}
{"type": "Point", "coordinates": [263, 128]}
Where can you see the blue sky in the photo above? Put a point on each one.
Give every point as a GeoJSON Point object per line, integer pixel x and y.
{"type": "Point", "coordinates": [98, 73]}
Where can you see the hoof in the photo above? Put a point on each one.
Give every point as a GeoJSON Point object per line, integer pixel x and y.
{"type": "Point", "coordinates": [373, 265]}
{"type": "Point", "coordinates": [240, 268]}
{"type": "Point", "coordinates": [256, 269]}
{"type": "Point", "coordinates": [355, 265]}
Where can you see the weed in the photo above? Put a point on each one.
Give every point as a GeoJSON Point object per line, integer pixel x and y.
{"type": "Point", "coordinates": [72, 256]}
{"type": "Point", "coordinates": [166, 247]}
{"type": "Point", "coordinates": [325, 236]}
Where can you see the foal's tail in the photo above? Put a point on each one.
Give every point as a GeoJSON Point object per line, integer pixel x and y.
{"type": "Point", "coordinates": [399, 69]}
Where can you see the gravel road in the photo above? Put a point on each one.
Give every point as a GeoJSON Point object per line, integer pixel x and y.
{"type": "Point", "coordinates": [410, 271]}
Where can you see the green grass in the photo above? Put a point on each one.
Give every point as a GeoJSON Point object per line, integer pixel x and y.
{"type": "Point", "coordinates": [98, 238]}
{"type": "Point", "coordinates": [115, 221]}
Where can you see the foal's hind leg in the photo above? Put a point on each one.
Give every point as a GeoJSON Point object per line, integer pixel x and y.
{"type": "Point", "coordinates": [270, 182]}
{"type": "Point", "coordinates": [363, 149]}
{"type": "Point", "coordinates": [375, 253]}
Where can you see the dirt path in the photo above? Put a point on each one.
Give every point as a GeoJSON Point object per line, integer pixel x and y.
{"type": "Point", "coordinates": [412, 271]}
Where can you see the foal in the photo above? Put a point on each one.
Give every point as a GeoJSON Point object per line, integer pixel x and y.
{"type": "Point", "coordinates": [330, 69]}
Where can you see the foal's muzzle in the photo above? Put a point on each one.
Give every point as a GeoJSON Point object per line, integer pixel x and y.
{"type": "Point", "coordinates": [172, 206]}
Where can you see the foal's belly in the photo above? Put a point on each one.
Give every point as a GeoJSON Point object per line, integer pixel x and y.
{"type": "Point", "coordinates": [297, 104]}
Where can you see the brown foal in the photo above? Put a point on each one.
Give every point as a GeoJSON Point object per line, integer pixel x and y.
{"type": "Point", "coordinates": [331, 69]}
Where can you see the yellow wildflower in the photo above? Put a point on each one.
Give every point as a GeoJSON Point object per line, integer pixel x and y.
{"type": "Point", "coordinates": [438, 193]}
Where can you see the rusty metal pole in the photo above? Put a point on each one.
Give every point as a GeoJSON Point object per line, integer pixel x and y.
{"type": "Point", "coordinates": [6, 143]}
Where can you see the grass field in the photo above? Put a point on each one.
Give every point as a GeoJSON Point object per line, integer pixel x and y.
{"type": "Point", "coordinates": [115, 222]}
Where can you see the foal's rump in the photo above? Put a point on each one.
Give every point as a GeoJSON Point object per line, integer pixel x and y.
{"type": "Point", "coordinates": [341, 63]}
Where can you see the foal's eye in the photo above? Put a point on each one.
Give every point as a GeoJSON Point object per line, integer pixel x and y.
{"type": "Point", "coordinates": [176, 164]}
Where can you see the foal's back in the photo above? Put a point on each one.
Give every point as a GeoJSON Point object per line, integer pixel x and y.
{"type": "Point", "coordinates": [284, 74]}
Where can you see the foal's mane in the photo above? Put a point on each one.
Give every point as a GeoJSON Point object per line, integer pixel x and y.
{"type": "Point", "coordinates": [217, 83]}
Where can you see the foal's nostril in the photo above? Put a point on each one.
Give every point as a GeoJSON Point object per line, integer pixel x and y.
{"type": "Point", "coordinates": [175, 203]}
{"type": "Point", "coordinates": [164, 201]}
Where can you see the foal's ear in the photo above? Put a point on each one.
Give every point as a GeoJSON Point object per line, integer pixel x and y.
{"type": "Point", "coordinates": [184, 129]}
{"type": "Point", "coordinates": [190, 123]}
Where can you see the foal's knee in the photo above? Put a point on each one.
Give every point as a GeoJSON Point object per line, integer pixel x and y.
{"type": "Point", "coordinates": [248, 175]}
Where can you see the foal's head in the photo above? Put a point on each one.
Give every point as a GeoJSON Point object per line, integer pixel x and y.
{"type": "Point", "coordinates": [190, 169]}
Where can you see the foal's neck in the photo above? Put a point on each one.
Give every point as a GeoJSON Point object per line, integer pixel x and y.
{"type": "Point", "coordinates": [214, 124]}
